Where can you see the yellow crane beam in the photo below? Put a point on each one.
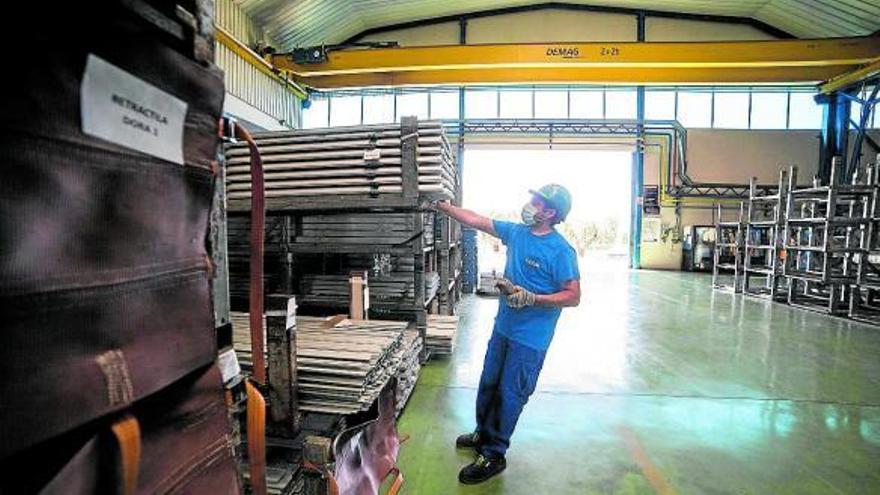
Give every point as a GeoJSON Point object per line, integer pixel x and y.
{"type": "Point", "coordinates": [742, 62]}
{"type": "Point", "coordinates": [849, 78]}
{"type": "Point", "coordinates": [226, 39]}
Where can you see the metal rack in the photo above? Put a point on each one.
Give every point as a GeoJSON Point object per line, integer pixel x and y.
{"type": "Point", "coordinates": [447, 242]}
{"type": "Point", "coordinates": [762, 245]}
{"type": "Point", "coordinates": [728, 252]}
{"type": "Point", "coordinates": [330, 212]}
{"type": "Point", "coordinates": [864, 303]}
{"type": "Point", "coordinates": [827, 238]}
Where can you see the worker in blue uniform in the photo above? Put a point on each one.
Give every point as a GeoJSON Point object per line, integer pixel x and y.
{"type": "Point", "coordinates": [540, 278]}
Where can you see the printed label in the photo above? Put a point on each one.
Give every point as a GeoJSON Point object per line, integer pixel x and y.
{"type": "Point", "coordinates": [127, 111]}
{"type": "Point", "coordinates": [229, 367]}
{"type": "Point", "coordinates": [372, 155]}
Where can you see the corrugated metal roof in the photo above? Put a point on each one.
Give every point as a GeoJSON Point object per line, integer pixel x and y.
{"type": "Point", "coordinates": [293, 23]}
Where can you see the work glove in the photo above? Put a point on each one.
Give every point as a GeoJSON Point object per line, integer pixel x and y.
{"type": "Point", "coordinates": [517, 296]}
{"type": "Point", "coordinates": [505, 286]}
{"type": "Point", "coordinates": [521, 298]}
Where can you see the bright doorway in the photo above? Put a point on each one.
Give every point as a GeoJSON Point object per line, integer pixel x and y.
{"type": "Point", "coordinates": [496, 183]}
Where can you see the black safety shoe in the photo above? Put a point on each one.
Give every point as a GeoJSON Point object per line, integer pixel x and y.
{"type": "Point", "coordinates": [468, 441]}
{"type": "Point", "coordinates": [482, 469]}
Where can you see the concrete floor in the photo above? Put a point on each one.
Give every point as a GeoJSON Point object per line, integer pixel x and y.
{"type": "Point", "coordinates": [657, 384]}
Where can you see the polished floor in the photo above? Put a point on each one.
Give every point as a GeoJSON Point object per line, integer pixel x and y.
{"type": "Point", "coordinates": [657, 384]}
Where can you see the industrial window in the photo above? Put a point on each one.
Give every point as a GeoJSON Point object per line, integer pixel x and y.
{"type": "Point", "coordinates": [412, 104]}
{"type": "Point", "coordinates": [345, 110]}
{"type": "Point", "coordinates": [551, 104]}
{"type": "Point", "coordinates": [481, 104]}
{"type": "Point", "coordinates": [515, 104]}
{"type": "Point", "coordinates": [804, 112]}
{"type": "Point", "coordinates": [620, 104]}
{"type": "Point", "coordinates": [660, 105]}
{"type": "Point", "coordinates": [768, 110]}
{"type": "Point", "coordinates": [316, 114]}
{"type": "Point", "coordinates": [731, 110]}
{"type": "Point", "coordinates": [444, 105]}
{"type": "Point", "coordinates": [378, 109]}
{"type": "Point", "coordinates": [587, 105]}
{"type": "Point", "coordinates": [695, 109]}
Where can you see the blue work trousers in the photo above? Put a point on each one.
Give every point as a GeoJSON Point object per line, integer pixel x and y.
{"type": "Point", "coordinates": [510, 373]}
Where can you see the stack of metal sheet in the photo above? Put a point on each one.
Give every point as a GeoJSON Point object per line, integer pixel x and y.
{"type": "Point", "coordinates": [440, 334]}
{"type": "Point", "coordinates": [487, 286]}
{"type": "Point", "coordinates": [469, 260]}
{"type": "Point", "coordinates": [362, 229]}
{"type": "Point", "coordinates": [409, 367]}
{"type": "Point", "coordinates": [343, 160]}
{"type": "Point", "coordinates": [393, 291]}
{"type": "Point", "coordinates": [342, 366]}
{"type": "Point", "coordinates": [238, 245]}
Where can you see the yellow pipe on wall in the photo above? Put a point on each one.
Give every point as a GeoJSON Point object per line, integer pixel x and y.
{"type": "Point", "coordinates": [665, 199]}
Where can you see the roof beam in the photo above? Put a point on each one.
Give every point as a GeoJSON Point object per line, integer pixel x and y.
{"type": "Point", "coordinates": [577, 7]}
{"type": "Point", "coordinates": [746, 62]}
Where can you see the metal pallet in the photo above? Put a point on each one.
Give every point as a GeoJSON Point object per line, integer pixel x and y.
{"type": "Point", "coordinates": [763, 223]}
{"type": "Point", "coordinates": [727, 265]}
{"type": "Point", "coordinates": [827, 236]}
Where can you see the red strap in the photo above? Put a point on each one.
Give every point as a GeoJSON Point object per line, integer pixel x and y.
{"type": "Point", "coordinates": [257, 234]}
{"type": "Point", "coordinates": [332, 484]}
{"type": "Point", "coordinates": [256, 439]}
{"type": "Point", "coordinates": [128, 436]}
{"type": "Point", "coordinates": [398, 482]}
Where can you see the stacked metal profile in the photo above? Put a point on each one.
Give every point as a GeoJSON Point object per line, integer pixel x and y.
{"type": "Point", "coordinates": [342, 365]}
{"type": "Point", "coordinates": [315, 231]}
{"type": "Point", "coordinates": [440, 334]}
{"type": "Point", "coordinates": [350, 199]}
{"type": "Point", "coordinates": [764, 222]}
{"type": "Point", "coordinates": [344, 161]}
{"type": "Point", "coordinates": [390, 292]}
{"type": "Point", "coordinates": [487, 287]}
{"type": "Point", "coordinates": [408, 367]}
{"type": "Point", "coordinates": [470, 273]}
{"type": "Point", "coordinates": [447, 233]}
{"type": "Point", "coordinates": [239, 255]}
{"type": "Point", "coordinates": [727, 266]}
{"type": "Point", "coordinates": [827, 235]}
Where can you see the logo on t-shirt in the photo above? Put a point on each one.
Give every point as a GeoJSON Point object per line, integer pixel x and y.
{"type": "Point", "coordinates": [532, 262]}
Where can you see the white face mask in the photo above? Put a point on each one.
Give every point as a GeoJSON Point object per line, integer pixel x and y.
{"type": "Point", "coordinates": [528, 214]}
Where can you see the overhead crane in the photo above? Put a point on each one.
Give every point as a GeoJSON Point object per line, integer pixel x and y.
{"type": "Point", "coordinates": [835, 66]}
{"type": "Point", "coordinates": [776, 62]}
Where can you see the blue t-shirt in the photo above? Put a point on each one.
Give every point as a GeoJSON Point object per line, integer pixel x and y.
{"type": "Point", "coordinates": [541, 264]}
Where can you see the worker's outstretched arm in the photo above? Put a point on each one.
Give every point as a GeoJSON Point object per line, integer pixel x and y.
{"type": "Point", "coordinates": [569, 296]}
{"type": "Point", "coordinates": [467, 217]}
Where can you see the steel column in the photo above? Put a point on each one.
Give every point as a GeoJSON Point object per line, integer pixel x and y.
{"type": "Point", "coordinates": [638, 164]}
{"type": "Point", "coordinates": [834, 136]}
{"type": "Point", "coordinates": [459, 157]}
